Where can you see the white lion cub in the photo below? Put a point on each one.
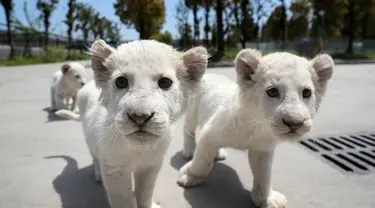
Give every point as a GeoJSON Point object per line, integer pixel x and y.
{"type": "Point", "coordinates": [274, 100]}
{"type": "Point", "coordinates": [65, 85]}
{"type": "Point", "coordinates": [143, 88]}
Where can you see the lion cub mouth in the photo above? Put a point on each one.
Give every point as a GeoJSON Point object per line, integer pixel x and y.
{"type": "Point", "coordinates": [142, 133]}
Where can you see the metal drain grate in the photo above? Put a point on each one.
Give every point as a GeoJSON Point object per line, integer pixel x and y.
{"type": "Point", "coordinates": [350, 153]}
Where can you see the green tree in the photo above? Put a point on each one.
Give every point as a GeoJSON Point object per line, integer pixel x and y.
{"type": "Point", "coordinates": [8, 8]}
{"type": "Point", "coordinates": [97, 25]}
{"type": "Point", "coordinates": [84, 16]}
{"type": "Point", "coordinates": [147, 16]}
{"type": "Point", "coordinates": [271, 30]}
{"type": "Point", "coordinates": [367, 22]}
{"type": "Point", "coordinates": [113, 32]}
{"type": "Point", "coordinates": [219, 8]}
{"type": "Point", "coordinates": [184, 29]}
{"type": "Point", "coordinates": [355, 11]}
{"type": "Point", "coordinates": [298, 24]}
{"type": "Point", "coordinates": [282, 24]}
{"type": "Point", "coordinates": [245, 27]}
{"type": "Point", "coordinates": [165, 37]}
{"type": "Point", "coordinates": [194, 6]}
{"type": "Point", "coordinates": [260, 9]}
{"type": "Point", "coordinates": [46, 7]}
{"type": "Point", "coordinates": [70, 17]}
{"type": "Point", "coordinates": [333, 16]}
{"type": "Point", "coordinates": [207, 29]}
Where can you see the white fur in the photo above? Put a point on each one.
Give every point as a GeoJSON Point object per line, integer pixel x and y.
{"type": "Point", "coordinates": [65, 85]}
{"type": "Point", "coordinates": [242, 116]}
{"type": "Point", "coordinates": [118, 149]}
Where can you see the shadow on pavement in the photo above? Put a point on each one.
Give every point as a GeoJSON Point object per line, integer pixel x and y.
{"type": "Point", "coordinates": [221, 189]}
{"type": "Point", "coordinates": [77, 187]}
{"type": "Point", "coordinates": [51, 117]}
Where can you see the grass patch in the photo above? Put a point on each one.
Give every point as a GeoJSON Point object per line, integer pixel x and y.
{"type": "Point", "coordinates": [52, 54]}
{"type": "Point", "coordinates": [230, 55]}
{"type": "Point", "coordinates": [352, 56]}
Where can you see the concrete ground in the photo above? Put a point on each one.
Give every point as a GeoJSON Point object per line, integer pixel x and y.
{"type": "Point", "coordinates": [44, 161]}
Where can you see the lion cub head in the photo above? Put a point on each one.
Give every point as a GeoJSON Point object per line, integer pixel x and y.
{"type": "Point", "coordinates": [285, 89]}
{"type": "Point", "coordinates": [145, 85]}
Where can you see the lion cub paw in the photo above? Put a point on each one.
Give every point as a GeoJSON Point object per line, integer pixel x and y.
{"type": "Point", "coordinates": [154, 205]}
{"type": "Point", "coordinates": [274, 200]}
{"type": "Point", "coordinates": [221, 154]}
{"type": "Point", "coordinates": [186, 180]}
{"type": "Point", "coordinates": [188, 155]}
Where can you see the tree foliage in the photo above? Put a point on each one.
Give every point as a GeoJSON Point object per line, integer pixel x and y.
{"type": "Point", "coordinates": [165, 37]}
{"type": "Point", "coordinates": [46, 8]}
{"type": "Point", "coordinates": [84, 16]}
{"type": "Point", "coordinates": [70, 17]}
{"type": "Point", "coordinates": [8, 8]}
{"type": "Point", "coordinates": [147, 16]}
{"type": "Point", "coordinates": [298, 24]}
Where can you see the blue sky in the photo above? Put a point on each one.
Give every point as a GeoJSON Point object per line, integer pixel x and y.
{"type": "Point", "coordinates": [105, 7]}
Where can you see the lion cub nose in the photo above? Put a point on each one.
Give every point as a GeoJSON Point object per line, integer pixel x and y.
{"type": "Point", "coordinates": [140, 119]}
{"type": "Point", "coordinates": [293, 125]}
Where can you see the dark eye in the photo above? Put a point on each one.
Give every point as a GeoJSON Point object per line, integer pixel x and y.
{"type": "Point", "coordinates": [121, 82]}
{"type": "Point", "coordinates": [306, 93]}
{"type": "Point", "coordinates": [164, 83]}
{"type": "Point", "coordinates": [77, 76]}
{"type": "Point", "coordinates": [273, 92]}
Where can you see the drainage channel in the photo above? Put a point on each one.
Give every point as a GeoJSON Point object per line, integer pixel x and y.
{"type": "Point", "coordinates": [353, 153]}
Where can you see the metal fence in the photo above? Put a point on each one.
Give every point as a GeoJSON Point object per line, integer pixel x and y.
{"type": "Point", "coordinates": [32, 42]}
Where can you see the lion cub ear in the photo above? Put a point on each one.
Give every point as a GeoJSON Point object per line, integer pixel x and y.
{"type": "Point", "coordinates": [100, 51]}
{"type": "Point", "coordinates": [246, 62]}
{"type": "Point", "coordinates": [65, 68]}
{"type": "Point", "coordinates": [323, 65]}
{"type": "Point", "coordinates": [195, 60]}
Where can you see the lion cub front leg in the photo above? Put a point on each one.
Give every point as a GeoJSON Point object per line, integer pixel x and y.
{"type": "Point", "coordinates": [193, 172]}
{"type": "Point", "coordinates": [262, 194]}
{"type": "Point", "coordinates": [145, 179]}
{"type": "Point", "coordinates": [118, 185]}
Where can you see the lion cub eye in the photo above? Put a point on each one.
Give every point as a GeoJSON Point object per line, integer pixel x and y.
{"type": "Point", "coordinates": [273, 92]}
{"type": "Point", "coordinates": [121, 82]}
{"type": "Point", "coordinates": [164, 83]}
{"type": "Point", "coordinates": [306, 93]}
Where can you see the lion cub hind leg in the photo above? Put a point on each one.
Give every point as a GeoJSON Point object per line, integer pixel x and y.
{"type": "Point", "coordinates": [190, 125]}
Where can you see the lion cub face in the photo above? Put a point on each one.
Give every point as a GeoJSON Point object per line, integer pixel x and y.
{"type": "Point", "coordinates": [287, 89]}
{"type": "Point", "coordinates": [74, 74]}
{"type": "Point", "coordinates": [144, 82]}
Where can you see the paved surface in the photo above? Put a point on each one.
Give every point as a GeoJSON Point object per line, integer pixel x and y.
{"type": "Point", "coordinates": [44, 161]}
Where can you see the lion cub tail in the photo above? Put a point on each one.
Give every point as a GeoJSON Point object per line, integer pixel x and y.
{"type": "Point", "coordinates": [68, 114]}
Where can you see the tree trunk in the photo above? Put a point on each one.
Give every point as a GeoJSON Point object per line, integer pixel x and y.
{"type": "Point", "coordinates": [142, 23]}
{"type": "Point", "coordinates": [196, 22]}
{"type": "Point", "coordinates": [46, 29]}
{"type": "Point", "coordinates": [220, 32]}
{"type": "Point", "coordinates": [207, 26]}
{"type": "Point", "coordinates": [9, 33]}
{"type": "Point", "coordinates": [245, 22]}
{"type": "Point", "coordinates": [85, 35]}
{"type": "Point", "coordinates": [238, 25]}
{"type": "Point", "coordinates": [282, 26]}
{"type": "Point", "coordinates": [351, 27]}
{"type": "Point", "coordinates": [364, 25]}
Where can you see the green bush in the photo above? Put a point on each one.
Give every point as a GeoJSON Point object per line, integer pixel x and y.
{"type": "Point", "coordinates": [230, 55]}
{"type": "Point", "coordinates": [52, 54]}
{"type": "Point", "coordinates": [350, 56]}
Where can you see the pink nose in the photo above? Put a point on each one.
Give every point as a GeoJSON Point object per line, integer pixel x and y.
{"type": "Point", "coordinates": [140, 119]}
{"type": "Point", "coordinates": [293, 125]}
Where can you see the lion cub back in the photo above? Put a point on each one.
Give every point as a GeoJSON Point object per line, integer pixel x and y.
{"type": "Point", "coordinates": [216, 90]}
